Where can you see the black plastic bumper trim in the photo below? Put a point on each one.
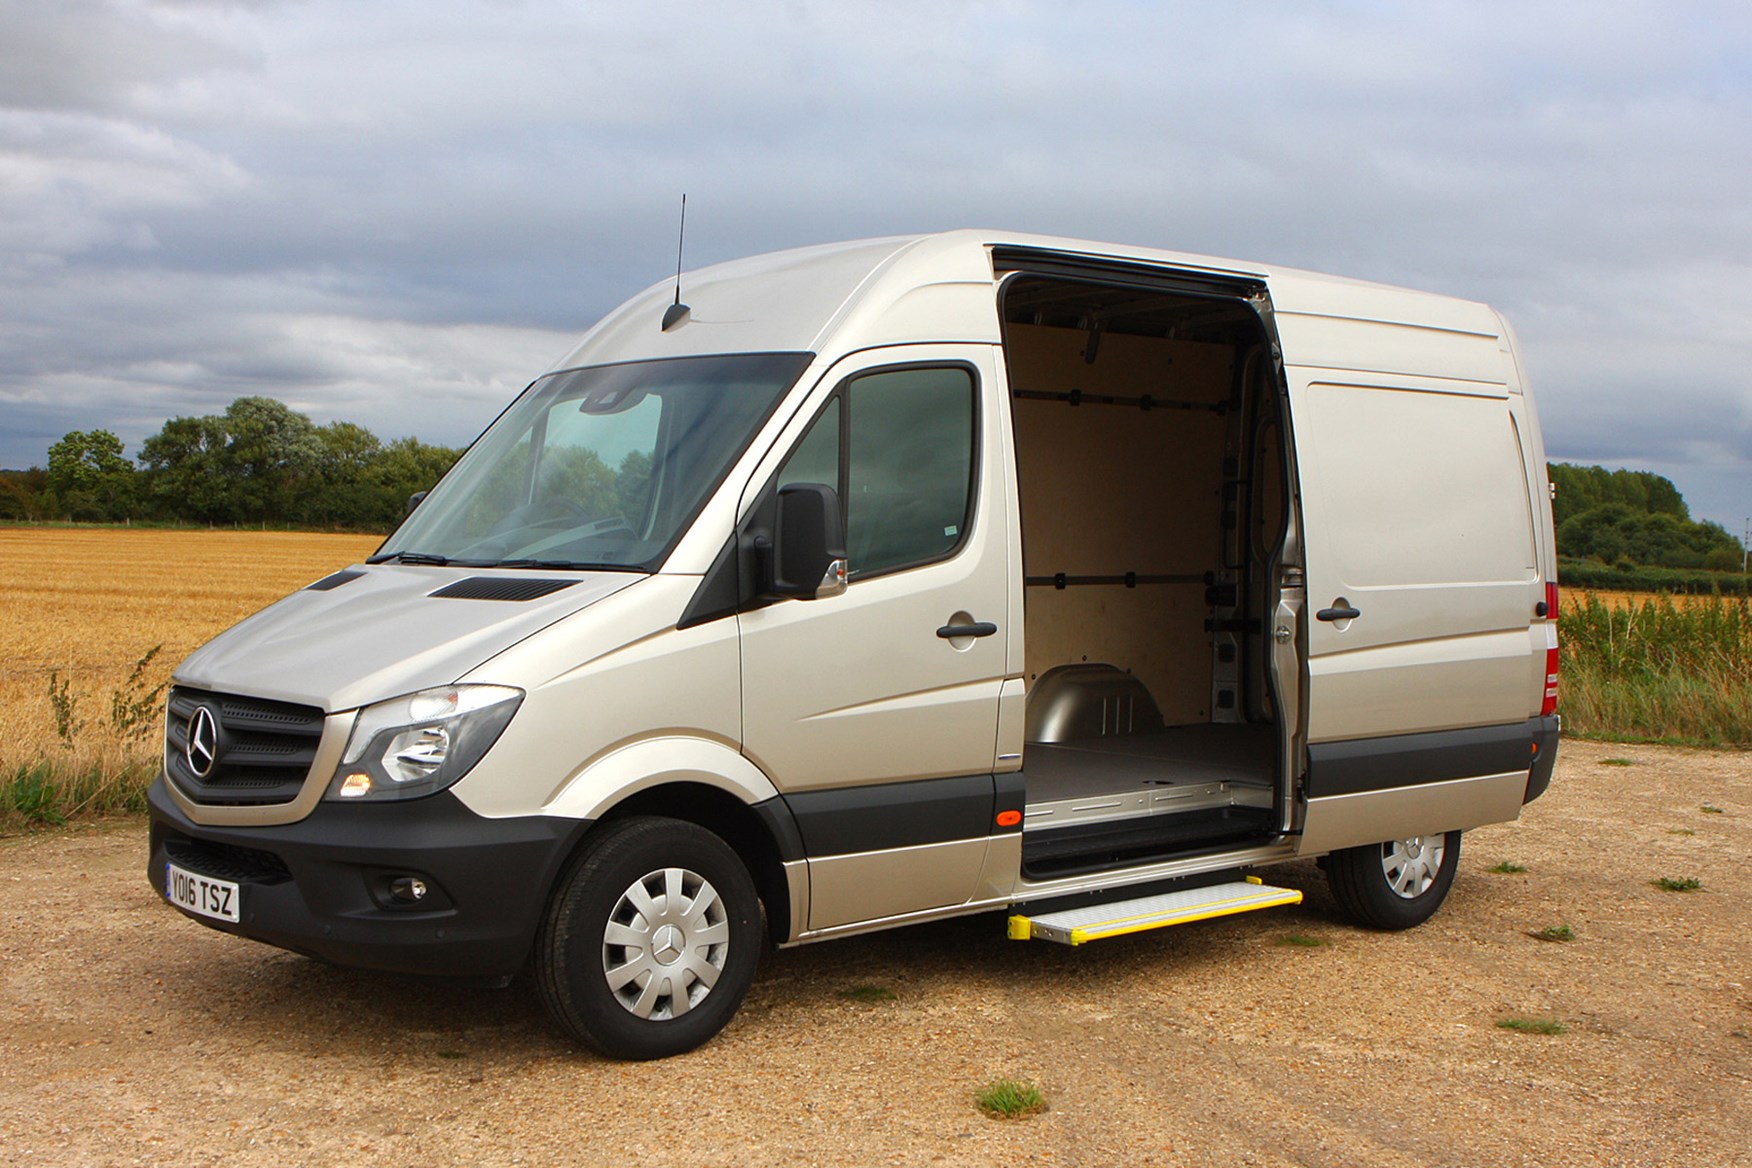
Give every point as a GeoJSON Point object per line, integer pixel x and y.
{"type": "Point", "coordinates": [1407, 760]}
{"type": "Point", "coordinates": [1545, 735]}
{"type": "Point", "coordinates": [490, 877]}
{"type": "Point", "coordinates": [898, 815]}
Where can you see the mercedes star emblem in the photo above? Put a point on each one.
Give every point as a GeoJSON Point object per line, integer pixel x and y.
{"type": "Point", "coordinates": [203, 745]}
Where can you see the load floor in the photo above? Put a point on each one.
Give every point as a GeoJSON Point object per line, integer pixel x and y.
{"type": "Point", "coordinates": [1104, 802]}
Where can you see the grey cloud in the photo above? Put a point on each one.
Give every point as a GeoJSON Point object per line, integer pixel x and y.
{"type": "Point", "coordinates": [93, 55]}
{"type": "Point", "coordinates": [398, 170]}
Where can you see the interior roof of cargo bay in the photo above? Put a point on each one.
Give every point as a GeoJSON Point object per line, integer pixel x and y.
{"type": "Point", "coordinates": [1134, 311]}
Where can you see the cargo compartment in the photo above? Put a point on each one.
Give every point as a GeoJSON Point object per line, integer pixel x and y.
{"type": "Point", "coordinates": [1148, 427]}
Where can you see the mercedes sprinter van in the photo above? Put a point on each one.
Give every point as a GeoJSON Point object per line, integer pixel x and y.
{"type": "Point", "coordinates": [887, 581]}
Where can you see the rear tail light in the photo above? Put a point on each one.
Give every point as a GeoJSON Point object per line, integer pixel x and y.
{"type": "Point", "coordinates": [1548, 706]}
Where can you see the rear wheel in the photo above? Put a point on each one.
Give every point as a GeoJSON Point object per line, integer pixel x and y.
{"type": "Point", "coordinates": [1397, 884]}
{"type": "Point", "coordinates": [651, 940]}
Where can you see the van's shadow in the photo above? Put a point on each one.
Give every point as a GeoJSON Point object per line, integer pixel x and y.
{"type": "Point", "coordinates": [257, 995]}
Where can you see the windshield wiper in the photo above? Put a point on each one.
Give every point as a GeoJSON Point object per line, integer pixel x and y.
{"type": "Point", "coordinates": [427, 558]}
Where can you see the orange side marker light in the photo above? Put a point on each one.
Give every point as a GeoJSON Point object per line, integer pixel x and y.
{"type": "Point", "coordinates": [1009, 818]}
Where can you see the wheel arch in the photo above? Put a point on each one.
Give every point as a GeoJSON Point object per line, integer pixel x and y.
{"type": "Point", "coordinates": [747, 831]}
{"type": "Point", "coordinates": [711, 785]}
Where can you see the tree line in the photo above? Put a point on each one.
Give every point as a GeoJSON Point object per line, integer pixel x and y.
{"type": "Point", "coordinates": [262, 462]}
{"type": "Point", "coordinates": [1634, 519]}
{"type": "Point", "coordinates": [259, 462]}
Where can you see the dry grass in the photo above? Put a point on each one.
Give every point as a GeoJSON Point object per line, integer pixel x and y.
{"type": "Point", "coordinates": [85, 604]}
{"type": "Point", "coordinates": [1658, 670]}
{"type": "Point", "coordinates": [1578, 598]}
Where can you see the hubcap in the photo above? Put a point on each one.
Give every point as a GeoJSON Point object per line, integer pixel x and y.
{"type": "Point", "coordinates": [665, 943]}
{"type": "Point", "coordinates": [1412, 865]}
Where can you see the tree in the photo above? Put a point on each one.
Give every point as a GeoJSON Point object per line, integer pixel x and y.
{"type": "Point", "coordinates": [272, 454]}
{"type": "Point", "coordinates": [1632, 516]}
{"type": "Point", "coordinates": [1583, 488]}
{"type": "Point", "coordinates": [89, 477]}
{"type": "Point", "coordinates": [185, 472]}
{"type": "Point", "coordinates": [21, 493]}
{"type": "Point", "coordinates": [260, 461]}
{"type": "Point", "coordinates": [255, 463]}
{"type": "Point", "coordinates": [343, 490]}
{"type": "Point", "coordinates": [404, 468]}
{"type": "Point", "coordinates": [1614, 532]}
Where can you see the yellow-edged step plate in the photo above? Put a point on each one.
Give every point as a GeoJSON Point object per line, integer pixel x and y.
{"type": "Point", "coordinates": [1076, 925]}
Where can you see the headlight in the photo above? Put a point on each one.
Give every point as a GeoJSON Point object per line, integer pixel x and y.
{"type": "Point", "coordinates": [420, 744]}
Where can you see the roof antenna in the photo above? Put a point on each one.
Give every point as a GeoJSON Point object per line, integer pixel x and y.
{"type": "Point", "coordinates": [677, 313]}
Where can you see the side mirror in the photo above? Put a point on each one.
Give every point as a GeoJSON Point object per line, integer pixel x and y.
{"type": "Point", "coordinates": [415, 499]}
{"type": "Point", "coordinates": [809, 543]}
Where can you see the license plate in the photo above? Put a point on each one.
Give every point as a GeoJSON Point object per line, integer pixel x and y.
{"type": "Point", "coordinates": [201, 894]}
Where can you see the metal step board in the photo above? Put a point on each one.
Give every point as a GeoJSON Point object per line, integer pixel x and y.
{"type": "Point", "coordinates": [1117, 918]}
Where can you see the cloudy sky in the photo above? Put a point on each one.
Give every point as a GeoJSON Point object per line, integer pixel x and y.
{"type": "Point", "coordinates": [398, 212]}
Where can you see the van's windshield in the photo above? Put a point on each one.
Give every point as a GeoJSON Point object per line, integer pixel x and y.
{"type": "Point", "coordinates": [596, 468]}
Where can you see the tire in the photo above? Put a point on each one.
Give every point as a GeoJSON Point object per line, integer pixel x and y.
{"type": "Point", "coordinates": [1397, 884]}
{"type": "Point", "coordinates": [651, 939]}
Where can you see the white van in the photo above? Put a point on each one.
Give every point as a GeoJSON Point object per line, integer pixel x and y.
{"type": "Point", "coordinates": [888, 581]}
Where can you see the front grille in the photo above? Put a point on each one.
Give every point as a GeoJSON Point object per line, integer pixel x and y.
{"type": "Point", "coordinates": [226, 861]}
{"type": "Point", "coordinates": [261, 753]}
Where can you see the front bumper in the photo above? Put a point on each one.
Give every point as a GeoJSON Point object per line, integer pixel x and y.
{"type": "Point", "coordinates": [320, 886]}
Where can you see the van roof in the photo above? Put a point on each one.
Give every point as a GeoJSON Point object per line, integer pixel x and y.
{"type": "Point", "coordinates": [900, 289]}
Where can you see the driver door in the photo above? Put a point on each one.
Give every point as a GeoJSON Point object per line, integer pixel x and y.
{"type": "Point", "coordinates": [875, 712]}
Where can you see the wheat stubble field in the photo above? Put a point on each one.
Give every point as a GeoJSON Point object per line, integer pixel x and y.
{"type": "Point", "coordinates": [82, 605]}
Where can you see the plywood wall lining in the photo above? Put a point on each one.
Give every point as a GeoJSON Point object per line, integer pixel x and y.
{"type": "Point", "coordinates": [1107, 490]}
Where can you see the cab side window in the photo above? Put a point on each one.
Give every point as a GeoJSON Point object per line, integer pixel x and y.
{"type": "Point", "coordinates": [898, 446]}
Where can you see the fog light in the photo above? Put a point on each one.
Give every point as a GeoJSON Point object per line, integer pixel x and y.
{"type": "Point", "coordinates": [408, 889]}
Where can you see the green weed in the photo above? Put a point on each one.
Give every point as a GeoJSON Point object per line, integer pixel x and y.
{"type": "Point", "coordinates": [1302, 941]}
{"type": "Point", "coordinates": [29, 792]}
{"type": "Point", "coordinates": [869, 993]}
{"type": "Point", "coordinates": [1555, 933]}
{"type": "Point", "coordinates": [50, 791]}
{"type": "Point", "coordinates": [1711, 809]}
{"type": "Point", "coordinates": [65, 705]}
{"type": "Point", "coordinates": [1616, 762]}
{"type": "Point", "coordinates": [1507, 868]}
{"type": "Point", "coordinates": [1678, 883]}
{"type": "Point", "coordinates": [1010, 1099]}
{"type": "Point", "coordinates": [1533, 1025]}
{"type": "Point", "coordinates": [134, 709]}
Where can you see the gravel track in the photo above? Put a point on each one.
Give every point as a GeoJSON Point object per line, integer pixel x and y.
{"type": "Point", "coordinates": [131, 1036]}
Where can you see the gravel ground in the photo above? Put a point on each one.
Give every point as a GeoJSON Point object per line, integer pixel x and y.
{"type": "Point", "coordinates": [132, 1036]}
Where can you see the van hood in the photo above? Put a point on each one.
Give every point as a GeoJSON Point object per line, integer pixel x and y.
{"type": "Point", "coordinates": [378, 631]}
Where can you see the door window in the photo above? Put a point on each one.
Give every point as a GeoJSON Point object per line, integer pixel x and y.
{"type": "Point", "coordinates": [898, 446]}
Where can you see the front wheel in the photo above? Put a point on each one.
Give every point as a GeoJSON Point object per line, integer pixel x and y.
{"type": "Point", "coordinates": [651, 940]}
{"type": "Point", "coordinates": [1397, 884]}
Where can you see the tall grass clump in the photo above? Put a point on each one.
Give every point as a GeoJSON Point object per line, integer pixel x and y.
{"type": "Point", "coordinates": [97, 763]}
{"type": "Point", "coordinates": [1655, 671]}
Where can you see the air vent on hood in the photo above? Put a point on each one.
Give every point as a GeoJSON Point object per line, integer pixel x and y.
{"type": "Point", "coordinates": [334, 580]}
{"type": "Point", "coordinates": [500, 588]}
